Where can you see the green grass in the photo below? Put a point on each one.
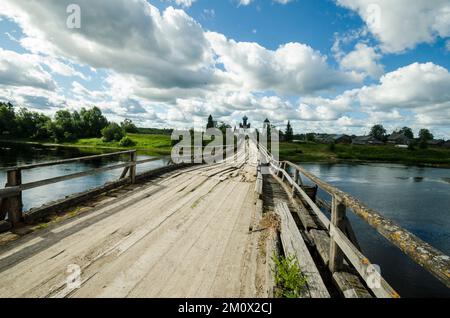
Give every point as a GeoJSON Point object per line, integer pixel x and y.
{"type": "Point", "coordinates": [311, 152]}
{"type": "Point", "coordinates": [289, 280]}
{"type": "Point", "coordinates": [152, 144]}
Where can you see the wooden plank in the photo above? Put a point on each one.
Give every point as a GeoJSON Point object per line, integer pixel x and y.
{"type": "Point", "coordinates": [41, 183]}
{"type": "Point", "coordinates": [362, 265]}
{"type": "Point", "coordinates": [9, 192]}
{"type": "Point", "coordinates": [304, 215]}
{"type": "Point", "coordinates": [322, 241]}
{"type": "Point", "coordinates": [305, 197]}
{"type": "Point", "coordinates": [79, 198]}
{"type": "Point", "coordinates": [72, 160]}
{"type": "Point", "coordinates": [350, 285]}
{"type": "Point", "coordinates": [430, 258]}
{"type": "Point", "coordinates": [293, 244]}
{"type": "Point", "coordinates": [124, 173]}
{"type": "Point", "coordinates": [337, 219]}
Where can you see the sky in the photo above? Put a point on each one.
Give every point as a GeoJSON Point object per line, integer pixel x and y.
{"type": "Point", "coordinates": [329, 66]}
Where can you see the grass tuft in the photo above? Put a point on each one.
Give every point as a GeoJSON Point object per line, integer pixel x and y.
{"type": "Point", "coordinates": [289, 280]}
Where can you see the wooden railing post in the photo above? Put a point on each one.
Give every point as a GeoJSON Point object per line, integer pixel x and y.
{"type": "Point", "coordinates": [296, 177]}
{"type": "Point", "coordinates": [283, 167]}
{"type": "Point", "coordinates": [133, 159]}
{"type": "Point", "coordinates": [337, 220]}
{"type": "Point", "coordinates": [13, 205]}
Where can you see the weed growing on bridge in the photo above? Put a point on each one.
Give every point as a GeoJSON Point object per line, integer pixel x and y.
{"type": "Point", "coordinates": [289, 279]}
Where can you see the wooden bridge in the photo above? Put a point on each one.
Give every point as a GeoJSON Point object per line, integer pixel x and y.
{"type": "Point", "coordinates": [193, 231]}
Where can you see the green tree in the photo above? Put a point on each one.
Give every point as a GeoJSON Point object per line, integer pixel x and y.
{"type": "Point", "coordinates": [112, 132]}
{"type": "Point", "coordinates": [7, 118]}
{"type": "Point", "coordinates": [407, 132]}
{"type": "Point", "coordinates": [424, 136]}
{"type": "Point", "coordinates": [32, 124]}
{"type": "Point", "coordinates": [126, 142]}
{"type": "Point", "coordinates": [311, 137]}
{"type": "Point", "coordinates": [64, 127]}
{"type": "Point", "coordinates": [129, 126]}
{"type": "Point", "coordinates": [210, 123]}
{"type": "Point", "coordinates": [378, 132]}
{"type": "Point", "coordinates": [289, 134]}
{"type": "Point", "coordinates": [93, 122]}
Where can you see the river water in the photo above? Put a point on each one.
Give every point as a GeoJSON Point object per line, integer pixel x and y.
{"type": "Point", "coordinates": [416, 198]}
{"type": "Point", "coordinates": [19, 154]}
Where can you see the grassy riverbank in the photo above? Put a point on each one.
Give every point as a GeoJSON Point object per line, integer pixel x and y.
{"type": "Point", "coordinates": [160, 145]}
{"type": "Point", "coordinates": [312, 152]}
{"type": "Point", "coordinates": [155, 145]}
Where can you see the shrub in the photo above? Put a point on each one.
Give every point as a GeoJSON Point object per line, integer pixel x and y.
{"type": "Point", "coordinates": [289, 280]}
{"type": "Point", "coordinates": [112, 132]}
{"type": "Point", "coordinates": [126, 142]}
{"type": "Point", "coordinates": [332, 147]}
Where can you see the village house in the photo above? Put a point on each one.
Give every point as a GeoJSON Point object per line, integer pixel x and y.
{"type": "Point", "coordinates": [398, 138]}
{"type": "Point", "coordinates": [436, 142]}
{"type": "Point", "coordinates": [333, 138]}
{"type": "Point", "coordinates": [366, 140]}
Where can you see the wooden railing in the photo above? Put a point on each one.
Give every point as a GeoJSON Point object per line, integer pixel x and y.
{"type": "Point", "coordinates": [341, 246]}
{"type": "Point", "coordinates": [11, 195]}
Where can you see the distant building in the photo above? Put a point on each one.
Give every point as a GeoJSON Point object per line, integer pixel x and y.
{"type": "Point", "coordinates": [366, 140]}
{"type": "Point", "coordinates": [333, 138]}
{"type": "Point", "coordinates": [398, 138]}
{"type": "Point", "coordinates": [266, 123]}
{"type": "Point", "coordinates": [446, 144]}
{"type": "Point", "coordinates": [436, 142]}
{"type": "Point", "coordinates": [245, 124]}
{"type": "Point", "coordinates": [342, 139]}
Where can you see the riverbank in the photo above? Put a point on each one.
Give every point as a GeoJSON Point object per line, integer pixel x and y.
{"type": "Point", "coordinates": [160, 145]}
{"type": "Point", "coordinates": [153, 145]}
{"type": "Point", "coordinates": [313, 152]}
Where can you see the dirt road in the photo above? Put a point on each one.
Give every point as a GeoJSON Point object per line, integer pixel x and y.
{"type": "Point", "coordinates": [184, 235]}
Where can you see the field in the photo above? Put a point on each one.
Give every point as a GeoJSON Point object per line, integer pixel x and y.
{"type": "Point", "coordinates": [152, 144]}
{"type": "Point", "coordinates": [312, 152]}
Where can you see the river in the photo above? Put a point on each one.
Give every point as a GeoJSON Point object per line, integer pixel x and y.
{"type": "Point", "coordinates": [20, 154]}
{"type": "Point", "coordinates": [416, 198]}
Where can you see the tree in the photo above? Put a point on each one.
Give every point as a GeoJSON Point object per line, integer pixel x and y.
{"type": "Point", "coordinates": [112, 132]}
{"type": "Point", "coordinates": [210, 123]}
{"type": "Point", "coordinates": [407, 132]}
{"type": "Point", "coordinates": [93, 122]}
{"type": "Point", "coordinates": [64, 127]}
{"type": "Point", "coordinates": [424, 136]}
{"type": "Point", "coordinates": [289, 135]}
{"type": "Point", "coordinates": [126, 142]}
{"type": "Point", "coordinates": [129, 126]}
{"type": "Point", "coordinates": [32, 124]}
{"type": "Point", "coordinates": [7, 118]}
{"type": "Point", "coordinates": [311, 137]}
{"type": "Point", "coordinates": [378, 132]}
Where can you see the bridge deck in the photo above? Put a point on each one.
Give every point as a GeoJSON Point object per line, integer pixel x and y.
{"type": "Point", "coordinates": [184, 235]}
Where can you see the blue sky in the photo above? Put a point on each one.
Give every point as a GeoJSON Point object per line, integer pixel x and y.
{"type": "Point", "coordinates": [326, 65]}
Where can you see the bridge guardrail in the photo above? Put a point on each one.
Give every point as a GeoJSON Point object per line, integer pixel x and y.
{"type": "Point", "coordinates": [11, 195]}
{"type": "Point", "coordinates": [422, 253]}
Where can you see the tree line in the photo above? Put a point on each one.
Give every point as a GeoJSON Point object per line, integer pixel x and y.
{"type": "Point", "coordinates": [65, 126]}
{"type": "Point", "coordinates": [379, 132]}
